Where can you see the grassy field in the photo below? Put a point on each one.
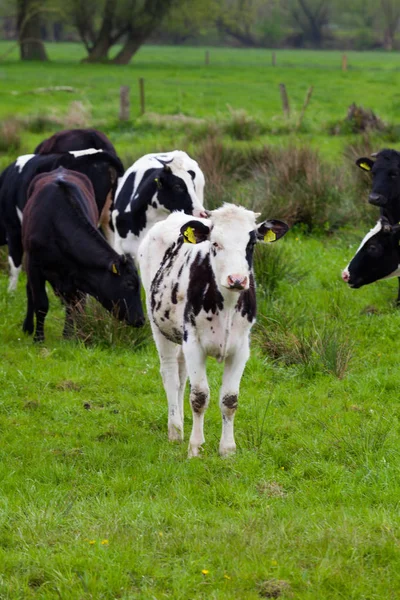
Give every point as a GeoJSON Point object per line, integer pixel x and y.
{"type": "Point", "coordinates": [95, 503]}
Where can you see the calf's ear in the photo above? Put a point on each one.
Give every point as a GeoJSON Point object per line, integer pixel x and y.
{"type": "Point", "coordinates": [195, 232]}
{"type": "Point", "coordinates": [271, 230]}
{"type": "Point", "coordinates": [365, 163]}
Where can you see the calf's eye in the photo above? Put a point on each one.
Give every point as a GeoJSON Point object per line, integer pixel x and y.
{"type": "Point", "coordinates": [177, 187]}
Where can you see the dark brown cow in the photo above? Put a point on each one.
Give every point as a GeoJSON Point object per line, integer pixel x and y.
{"type": "Point", "coordinates": [75, 139]}
{"type": "Point", "coordinates": [64, 247]}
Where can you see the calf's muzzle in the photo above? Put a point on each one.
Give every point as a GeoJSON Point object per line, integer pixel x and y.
{"type": "Point", "coordinates": [237, 282]}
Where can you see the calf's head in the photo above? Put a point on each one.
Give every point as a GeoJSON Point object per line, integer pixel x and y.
{"type": "Point", "coordinates": [376, 258]}
{"type": "Point", "coordinates": [176, 190]}
{"type": "Point", "coordinates": [385, 171]}
{"type": "Point", "coordinates": [232, 237]}
{"type": "Point", "coordinates": [118, 290]}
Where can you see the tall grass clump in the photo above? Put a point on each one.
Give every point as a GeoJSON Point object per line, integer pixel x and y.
{"type": "Point", "coordinates": [96, 326]}
{"type": "Point", "coordinates": [298, 186]}
{"type": "Point", "coordinates": [10, 135]}
{"type": "Point", "coordinates": [242, 126]}
{"type": "Point", "coordinates": [289, 340]}
{"type": "Point", "coordinates": [272, 265]}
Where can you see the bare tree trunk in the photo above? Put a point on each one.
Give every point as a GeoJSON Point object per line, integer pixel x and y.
{"type": "Point", "coordinates": [130, 48]}
{"type": "Point", "coordinates": [104, 41]}
{"type": "Point", "coordinates": [29, 31]}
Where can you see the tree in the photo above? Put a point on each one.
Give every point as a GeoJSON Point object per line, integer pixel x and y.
{"type": "Point", "coordinates": [191, 18]}
{"type": "Point", "coordinates": [102, 25]}
{"type": "Point", "coordinates": [391, 16]}
{"type": "Point", "coordinates": [310, 16]}
{"type": "Point", "coordinates": [29, 21]}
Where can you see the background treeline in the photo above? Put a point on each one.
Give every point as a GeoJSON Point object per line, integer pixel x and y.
{"type": "Point", "coordinates": [127, 24]}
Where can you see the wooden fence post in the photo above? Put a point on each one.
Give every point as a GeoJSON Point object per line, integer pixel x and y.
{"type": "Point", "coordinates": [124, 103]}
{"type": "Point", "coordinates": [273, 59]}
{"type": "Point", "coordinates": [306, 103]}
{"type": "Point", "coordinates": [142, 98]}
{"type": "Point", "coordinates": [285, 100]}
{"type": "Point", "coordinates": [344, 62]}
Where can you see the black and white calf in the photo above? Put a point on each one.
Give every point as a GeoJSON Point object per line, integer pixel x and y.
{"type": "Point", "coordinates": [154, 186]}
{"type": "Point", "coordinates": [201, 302]}
{"type": "Point", "coordinates": [378, 256]}
{"type": "Point", "coordinates": [102, 168]}
{"type": "Point", "coordinates": [64, 247]}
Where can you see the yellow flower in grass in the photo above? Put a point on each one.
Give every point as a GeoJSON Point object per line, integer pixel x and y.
{"type": "Point", "coordinates": [91, 542]}
{"type": "Point", "coordinates": [205, 571]}
{"type": "Point", "coordinates": [104, 542]}
{"type": "Point", "coordinates": [226, 576]}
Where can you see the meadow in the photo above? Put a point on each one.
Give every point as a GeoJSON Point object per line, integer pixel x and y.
{"type": "Point", "coordinates": [95, 503]}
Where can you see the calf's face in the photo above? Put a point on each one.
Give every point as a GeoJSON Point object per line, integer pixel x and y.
{"type": "Point", "coordinates": [118, 290]}
{"type": "Point", "coordinates": [177, 192]}
{"type": "Point", "coordinates": [232, 240]}
{"type": "Point", "coordinates": [385, 192]}
{"type": "Point", "coordinates": [376, 258]}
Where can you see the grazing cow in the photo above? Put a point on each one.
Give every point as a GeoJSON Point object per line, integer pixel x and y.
{"type": "Point", "coordinates": [378, 256]}
{"type": "Point", "coordinates": [385, 192]}
{"type": "Point", "coordinates": [201, 302]}
{"type": "Point", "coordinates": [154, 186]}
{"type": "Point", "coordinates": [100, 167]}
{"type": "Point", "coordinates": [64, 247]}
{"type": "Point", "coordinates": [75, 139]}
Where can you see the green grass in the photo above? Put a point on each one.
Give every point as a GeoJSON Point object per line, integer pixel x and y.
{"type": "Point", "coordinates": [311, 498]}
{"type": "Point", "coordinates": [177, 81]}
{"type": "Point", "coordinates": [308, 508]}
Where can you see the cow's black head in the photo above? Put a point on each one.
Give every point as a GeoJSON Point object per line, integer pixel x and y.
{"type": "Point", "coordinates": [377, 256]}
{"type": "Point", "coordinates": [385, 193]}
{"type": "Point", "coordinates": [118, 290]}
{"type": "Point", "coordinates": [176, 192]}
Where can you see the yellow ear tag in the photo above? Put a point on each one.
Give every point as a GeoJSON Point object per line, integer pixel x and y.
{"type": "Point", "coordinates": [188, 236]}
{"type": "Point", "coordinates": [114, 269]}
{"type": "Point", "coordinates": [270, 236]}
{"type": "Point", "coordinates": [365, 166]}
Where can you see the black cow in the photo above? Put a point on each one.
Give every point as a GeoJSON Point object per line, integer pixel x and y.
{"type": "Point", "coordinates": [63, 246]}
{"type": "Point", "coordinates": [378, 256]}
{"type": "Point", "coordinates": [102, 168]}
{"type": "Point", "coordinates": [75, 139]}
{"type": "Point", "coordinates": [385, 192]}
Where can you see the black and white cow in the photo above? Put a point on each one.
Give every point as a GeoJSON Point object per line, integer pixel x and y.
{"type": "Point", "coordinates": [201, 302]}
{"type": "Point", "coordinates": [378, 256]}
{"type": "Point", "coordinates": [100, 167]}
{"type": "Point", "coordinates": [75, 139]}
{"type": "Point", "coordinates": [385, 192]}
{"type": "Point", "coordinates": [154, 186]}
{"type": "Point", "coordinates": [63, 246]}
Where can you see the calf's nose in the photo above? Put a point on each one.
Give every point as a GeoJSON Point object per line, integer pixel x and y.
{"type": "Point", "coordinates": [377, 199]}
{"type": "Point", "coordinates": [237, 282]}
{"type": "Point", "coordinates": [345, 275]}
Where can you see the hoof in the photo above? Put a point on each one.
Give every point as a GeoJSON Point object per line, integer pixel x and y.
{"type": "Point", "coordinates": [227, 450]}
{"type": "Point", "coordinates": [27, 328]}
{"type": "Point", "coordinates": [194, 451]}
{"type": "Point", "coordinates": [175, 433]}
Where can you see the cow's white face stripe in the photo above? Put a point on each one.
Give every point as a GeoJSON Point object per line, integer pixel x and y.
{"type": "Point", "coordinates": [369, 235]}
{"type": "Point", "coordinates": [22, 160]}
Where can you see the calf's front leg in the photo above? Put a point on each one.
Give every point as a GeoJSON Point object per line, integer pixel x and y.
{"type": "Point", "coordinates": [199, 392]}
{"type": "Point", "coordinates": [169, 369]}
{"type": "Point", "coordinates": [228, 400]}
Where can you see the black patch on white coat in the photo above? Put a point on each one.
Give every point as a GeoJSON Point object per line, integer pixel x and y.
{"type": "Point", "coordinates": [203, 292]}
{"type": "Point", "coordinates": [230, 401]}
{"type": "Point", "coordinates": [247, 303]}
{"type": "Point", "coordinates": [198, 400]}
